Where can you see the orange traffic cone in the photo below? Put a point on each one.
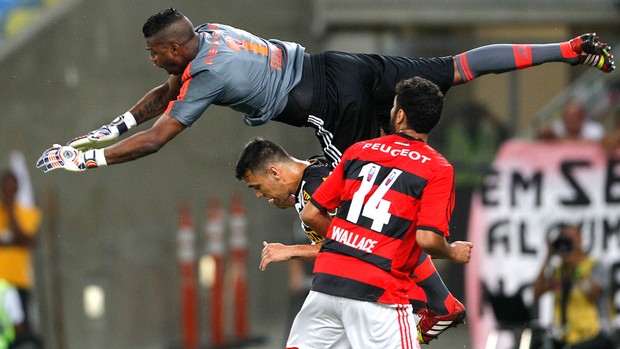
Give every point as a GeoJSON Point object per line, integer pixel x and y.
{"type": "Point", "coordinates": [214, 231]}
{"type": "Point", "coordinates": [187, 262]}
{"type": "Point", "coordinates": [238, 250]}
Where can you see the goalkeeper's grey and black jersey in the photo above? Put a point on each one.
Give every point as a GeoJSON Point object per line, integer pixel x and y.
{"type": "Point", "coordinates": [236, 69]}
{"type": "Point", "coordinates": [345, 97]}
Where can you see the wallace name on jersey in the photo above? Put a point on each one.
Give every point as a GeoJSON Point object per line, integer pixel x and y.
{"type": "Point", "coordinates": [352, 239]}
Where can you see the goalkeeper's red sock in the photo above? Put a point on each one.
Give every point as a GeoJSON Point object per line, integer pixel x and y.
{"type": "Point", "coordinates": [501, 58]}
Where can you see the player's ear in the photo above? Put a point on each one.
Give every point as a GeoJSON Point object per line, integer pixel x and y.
{"type": "Point", "coordinates": [401, 119]}
{"type": "Point", "coordinates": [274, 172]}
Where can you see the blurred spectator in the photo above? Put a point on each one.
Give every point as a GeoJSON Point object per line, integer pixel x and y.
{"type": "Point", "coordinates": [578, 283]}
{"type": "Point", "coordinates": [18, 227]}
{"type": "Point", "coordinates": [573, 125]}
{"type": "Point", "coordinates": [11, 314]}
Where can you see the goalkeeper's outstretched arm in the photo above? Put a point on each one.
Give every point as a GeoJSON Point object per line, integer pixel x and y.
{"type": "Point", "coordinates": [154, 103]}
{"type": "Point", "coordinates": [139, 145]}
{"type": "Point", "coordinates": [145, 142]}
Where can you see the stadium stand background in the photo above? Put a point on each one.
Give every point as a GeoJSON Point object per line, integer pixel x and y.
{"type": "Point", "coordinates": [16, 15]}
{"type": "Point", "coordinates": [82, 62]}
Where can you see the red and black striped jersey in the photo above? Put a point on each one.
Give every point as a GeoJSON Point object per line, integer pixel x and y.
{"type": "Point", "coordinates": [385, 189]}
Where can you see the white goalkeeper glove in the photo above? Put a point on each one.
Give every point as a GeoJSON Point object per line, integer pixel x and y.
{"type": "Point", "coordinates": [105, 135]}
{"type": "Point", "coordinates": [70, 159]}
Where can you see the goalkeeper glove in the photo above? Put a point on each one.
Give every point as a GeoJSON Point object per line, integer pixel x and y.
{"type": "Point", "coordinates": [70, 159]}
{"type": "Point", "coordinates": [105, 135]}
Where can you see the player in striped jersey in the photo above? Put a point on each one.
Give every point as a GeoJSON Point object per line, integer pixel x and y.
{"type": "Point", "coordinates": [345, 97]}
{"type": "Point", "coordinates": [259, 156]}
{"type": "Point", "coordinates": [286, 182]}
{"type": "Point", "coordinates": [395, 196]}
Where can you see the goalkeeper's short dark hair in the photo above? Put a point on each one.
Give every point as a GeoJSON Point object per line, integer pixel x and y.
{"type": "Point", "coordinates": [161, 20]}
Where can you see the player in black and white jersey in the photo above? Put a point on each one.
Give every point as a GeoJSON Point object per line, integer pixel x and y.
{"type": "Point", "coordinates": [312, 177]}
{"type": "Point", "coordinates": [345, 97]}
{"type": "Point", "coordinates": [285, 182]}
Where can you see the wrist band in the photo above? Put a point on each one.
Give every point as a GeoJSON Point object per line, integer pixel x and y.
{"type": "Point", "coordinates": [130, 121]}
{"type": "Point", "coordinates": [124, 122]}
{"type": "Point", "coordinates": [100, 158]}
{"type": "Point", "coordinates": [94, 158]}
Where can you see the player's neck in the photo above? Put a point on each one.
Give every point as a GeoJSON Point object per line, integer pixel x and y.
{"type": "Point", "coordinates": [297, 169]}
{"type": "Point", "coordinates": [414, 134]}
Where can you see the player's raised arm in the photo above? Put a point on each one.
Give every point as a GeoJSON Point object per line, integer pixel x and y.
{"type": "Point", "coordinates": [134, 147]}
{"type": "Point", "coordinates": [151, 105]}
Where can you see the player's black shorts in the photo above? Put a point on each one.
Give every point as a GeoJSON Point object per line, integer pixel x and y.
{"type": "Point", "coordinates": [347, 97]}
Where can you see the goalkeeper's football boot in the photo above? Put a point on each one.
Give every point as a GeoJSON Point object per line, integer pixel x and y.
{"type": "Point", "coordinates": [593, 52]}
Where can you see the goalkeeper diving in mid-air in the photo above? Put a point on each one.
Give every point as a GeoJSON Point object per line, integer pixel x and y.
{"type": "Point", "coordinates": [345, 97]}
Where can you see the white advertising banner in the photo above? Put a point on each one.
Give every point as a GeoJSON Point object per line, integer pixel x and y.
{"type": "Point", "coordinates": [533, 187]}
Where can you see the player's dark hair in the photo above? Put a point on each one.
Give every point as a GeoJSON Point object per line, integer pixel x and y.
{"type": "Point", "coordinates": [161, 20]}
{"type": "Point", "coordinates": [422, 101]}
{"type": "Point", "coordinates": [256, 155]}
